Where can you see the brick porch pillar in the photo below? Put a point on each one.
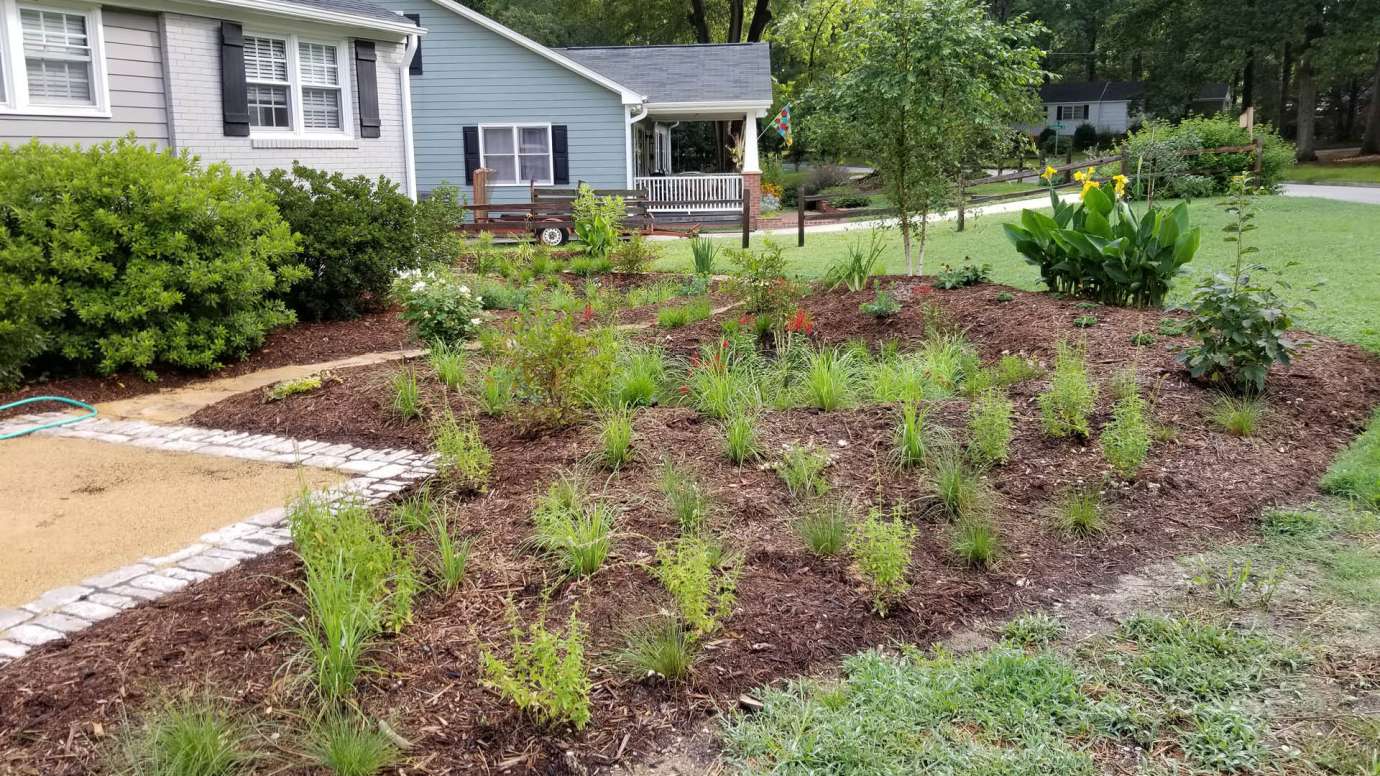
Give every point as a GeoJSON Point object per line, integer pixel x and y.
{"type": "Point", "coordinates": [752, 188]}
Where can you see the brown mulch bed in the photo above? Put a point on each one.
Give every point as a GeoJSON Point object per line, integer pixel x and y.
{"type": "Point", "coordinates": [302, 343]}
{"type": "Point", "coordinates": [795, 612]}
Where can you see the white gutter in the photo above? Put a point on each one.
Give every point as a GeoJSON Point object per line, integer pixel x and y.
{"type": "Point", "coordinates": [409, 152]}
{"type": "Point", "coordinates": [628, 137]}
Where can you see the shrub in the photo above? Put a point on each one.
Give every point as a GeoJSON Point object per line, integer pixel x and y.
{"type": "Point", "coordinates": [635, 254]}
{"type": "Point", "coordinates": [975, 541]}
{"type": "Point", "coordinates": [740, 437]}
{"type": "Point", "coordinates": [1356, 471]}
{"type": "Point", "coordinates": [661, 647]}
{"type": "Point", "coordinates": [407, 395]}
{"type": "Point", "coordinates": [1084, 136]}
{"type": "Point", "coordinates": [989, 420]}
{"type": "Point", "coordinates": [761, 282]}
{"type": "Point", "coordinates": [615, 437]}
{"type": "Point", "coordinates": [701, 578]}
{"type": "Point", "coordinates": [686, 497]}
{"type": "Point", "coordinates": [120, 256]}
{"type": "Point", "coordinates": [438, 216]}
{"type": "Point", "coordinates": [545, 675]}
{"type": "Point", "coordinates": [573, 528]}
{"type": "Point", "coordinates": [1078, 512]}
{"type": "Point", "coordinates": [349, 746]}
{"type": "Point", "coordinates": [824, 529]}
{"type": "Point", "coordinates": [858, 264]}
{"type": "Point", "coordinates": [963, 275]}
{"type": "Point", "coordinates": [881, 550]}
{"type": "Point", "coordinates": [1238, 416]}
{"type": "Point", "coordinates": [1067, 405]}
{"type": "Point", "coordinates": [190, 736]}
{"type": "Point", "coordinates": [883, 305]}
{"type": "Point", "coordinates": [802, 469]}
{"type": "Point", "coordinates": [560, 369]}
{"type": "Point", "coordinates": [1126, 437]}
{"type": "Point", "coordinates": [598, 222]}
{"type": "Point", "coordinates": [703, 251]}
{"type": "Point", "coordinates": [463, 460]}
{"type": "Point", "coordinates": [1208, 132]}
{"type": "Point", "coordinates": [438, 304]}
{"type": "Point", "coordinates": [845, 197]}
{"type": "Point", "coordinates": [356, 235]}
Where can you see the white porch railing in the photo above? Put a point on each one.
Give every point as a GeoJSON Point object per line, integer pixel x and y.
{"type": "Point", "coordinates": [692, 193]}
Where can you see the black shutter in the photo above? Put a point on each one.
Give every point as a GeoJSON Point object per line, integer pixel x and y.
{"type": "Point", "coordinates": [366, 78]}
{"type": "Point", "coordinates": [416, 67]}
{"type": "Point", "coordinates": [234, 97]}
{"type": "Point", "coordinates": [471, 138]}
{"type": "Point", "coordinates": [560, 155]}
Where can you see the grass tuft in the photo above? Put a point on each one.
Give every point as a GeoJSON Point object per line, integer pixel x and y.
{"type": "Point", "coordinates": [1078, 512]}
{"type": "Point", "coordinates": [830, 379]}
{"type": "Point", "coordinates": [740, 437]}
{"type": "Point", "coordinates": [911, 445]}
{"type": "Point", "coordinates": [615, 437]}
{"type": "Point", "coordinates": [349, 746]}
{"type": "Point", "coordinates": [1125, 439]}
{"type": "Point", "coordinates": [989, 421]}
{"type": "Point", "coordinates": [187, 737]}
{"type": "Point", "coordinates": [686, 497]}
{"type": "Point", "coordinates": [452, 557]}
{"type": "Point", "coordinates": [449, 364]}
{"type": "Point", "coordinates": [958, 486]}
{"type": "Point", "coordinates": [407, 395]}
{"type": "Point", "coordinates": [824, 528]}
{"type": "Point", "coordinates": [1037, 629]}
{"type": "Point", "coordinates": [802, 468]}
{"type": "Point", "coordinates": [1238, 416]}
{"type": "Point", "coordinates": [572, 527]}
{"type": "Point", "coordinates": [663, 647]}
{"type": "Point", "coordinates": [975, 541]}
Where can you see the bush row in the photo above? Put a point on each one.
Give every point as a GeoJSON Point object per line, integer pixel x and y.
{"type": "Point", "coordinates": [121, 256]}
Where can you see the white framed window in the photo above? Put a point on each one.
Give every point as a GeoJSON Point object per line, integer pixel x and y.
{"type": "Point", "coordinates": [1073, 113]}
{"type": "Point", "coordinates": [52, 59]}
{"type": "Point", "coordinates": [296, 85]}
{"type": "Point", "coordinates": [518, 154]}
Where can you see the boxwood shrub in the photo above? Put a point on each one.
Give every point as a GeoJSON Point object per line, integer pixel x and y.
{"type": "Point", "coordinates": [121, 256]}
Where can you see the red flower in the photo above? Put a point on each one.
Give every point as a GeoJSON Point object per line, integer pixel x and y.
{"type": "Point", "coordinates": [588, 314]}
{"type": "Point", "coordinates": [745, 320]}
{"type": "Point", "coordinates": [685, 390]}
{"type": "Point", "coordinates": [925, 288]}
{"type": "Point", "coordinates": [800, 323]}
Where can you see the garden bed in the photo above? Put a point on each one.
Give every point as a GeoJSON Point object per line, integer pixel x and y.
{"type": "Point", "coordinates": [795, 612]}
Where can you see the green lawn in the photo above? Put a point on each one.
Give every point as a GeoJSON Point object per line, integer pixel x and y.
{"type": "Point", "coordinates": [1334, 172]}
{"type": "Point", "coordinates": [1337, 242]}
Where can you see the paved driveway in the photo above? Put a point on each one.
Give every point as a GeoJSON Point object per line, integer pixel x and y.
{"type": "Point", "coordinates": [1369, 195]}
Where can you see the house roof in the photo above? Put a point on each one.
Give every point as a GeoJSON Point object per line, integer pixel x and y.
{"type": "Point", "coordinates": [1216, 92]}
{"type": "Point", "coordinates": [688, 74]}
{"type": "Point", "coordinates": [351, 7]}
{"type": "Point", "coordinates": [356, 13]}
{"type": "Point", "coordinates": [1092, 91]}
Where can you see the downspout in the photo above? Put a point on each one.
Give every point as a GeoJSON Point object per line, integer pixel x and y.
{"type": "Point", "coordinates": [409, 152]}
{"type": "Point", "coordinates": [628, 138]}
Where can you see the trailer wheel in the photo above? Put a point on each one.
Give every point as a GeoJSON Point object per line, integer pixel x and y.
{"type": "Point", "coordinates": [552, 236]}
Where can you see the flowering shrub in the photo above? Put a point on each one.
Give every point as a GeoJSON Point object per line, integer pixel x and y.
{"type": "Point", "coordinates": [762, 283]}
{"type": "Point", "coordinates": [438, 304]}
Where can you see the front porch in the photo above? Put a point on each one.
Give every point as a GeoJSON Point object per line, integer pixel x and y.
{"type": "Point", "coordinates": [697, 161]}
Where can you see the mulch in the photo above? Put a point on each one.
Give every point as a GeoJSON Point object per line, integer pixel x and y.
{"type": "Point", "coordinates": [795, 613]}
{"type": "Point", "coordinates": [302, 343]}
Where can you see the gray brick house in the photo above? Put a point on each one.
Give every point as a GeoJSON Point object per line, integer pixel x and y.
{"type": "Point", "coordinates": [254, 83]}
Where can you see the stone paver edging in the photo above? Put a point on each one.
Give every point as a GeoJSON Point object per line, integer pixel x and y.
{"type": "Point", "coordinates": [377, 475]}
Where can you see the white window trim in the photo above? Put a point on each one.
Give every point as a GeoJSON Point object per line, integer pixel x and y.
{"type": "Point", "coordinates": [344, 58]}
{"type": "Point", "coordinates": [12, 51]}
{"type": "Point", "coordinates": [1087, 108]}
{"type": "Point", "coordinates": [550, 152]}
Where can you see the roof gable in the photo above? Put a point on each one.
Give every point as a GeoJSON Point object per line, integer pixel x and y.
{"type": "Point", "coordinates": [694, 73]}
{"type": "Point", "coordinates": [1092, 91]}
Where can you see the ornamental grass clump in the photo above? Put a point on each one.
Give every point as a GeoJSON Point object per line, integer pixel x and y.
{"type": "Point", "coordinates": [958, 486]}
{"type": "Point", "coordinates": [615, 437]}
{"type": "Point", "coordinates": [989, 422]}
{"type": "Point", "coordinates": [662, 647]}
{"type": "Point", "coordinates": [687, 499]}
{"type": "Point", "coordinates": [1238, 415]}
{"type": "Point", "coordinates": [545, 674]}
{"type": "Point", "coordinates": [452, 557]}
{"type": "Point", "coordinates": [448, 362]}
{"type": "Point", "coordinates": [638, 376]}
{"type": "Point", "coordinates": [191, 736]}
{"type": "Point", "coordinates": [824, 528]}
{"type": "Point", "coordinates": [802, 469]}
{"type": "Point", "coordinates": [1125, 439]}
{"type": "Point", "coordinates": [830, 379]}
{"type": "Point", "coordinates": [740, 437]}
{"type": "Point", "coordinates": [1078, 512]}
{"type": "Point", "coordinates": [881, 550]}
{"type": "Point", "coordinates": [463, 460]}
{"type": "Point", "coordinates": [1065, 408]}
{"type": "Point", "coordinates": [975, 542]}
{"type": "Point", "coordinates": [910, 441]}
{"type": "Point", "coordinates": [701, 577]}
{"type": "Point", "coordinates": [407, 395]}
{"type": "Point", "coordinates": [572, 527]}
{"type": "Point", "coordinates": [347, 745]}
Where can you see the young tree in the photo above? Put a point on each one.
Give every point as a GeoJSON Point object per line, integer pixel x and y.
{"type": "Point", "coordinates": [920, 87]}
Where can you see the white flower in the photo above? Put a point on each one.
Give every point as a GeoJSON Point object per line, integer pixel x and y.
{"type": "Point", "coordinates": [475, 321]}
{"type": "Point", "coordinates": [464, 289]}
{"type": "Point", "coordinates": [418, 287]}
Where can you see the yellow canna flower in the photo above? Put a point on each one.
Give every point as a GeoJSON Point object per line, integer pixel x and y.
{"type": "Point", "coordinates": [1088, 185]}
{"type": "Point", "coordinates": [1120, 181]}
{"type": "Point", "coordinates": [1080, 176]}
{"type": "Point", "coordinates": [1048, 173]}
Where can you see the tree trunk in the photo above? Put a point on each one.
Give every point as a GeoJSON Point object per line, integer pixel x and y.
{"type": "Point", "coordinates": [735, 21]}
{"type": "Point", "coordinates": [761, 17]}
{"type": "Point", "coordinates": [1248, 81]}
{"type": "Point", "coordinates": [1370, 143]}
{"type": "Point", "coordinates": [699, 21]}
{"type": "Point", "coordinates": [905, 244]}
{"type": "Point", "coordinates": [1285, 66]}
{"type": "Point", "coordinates": [924, 230]}
{"type": "Point", "coordinates": [1353, 96]}
{"type": "Point", "coordinates": [1304, 138]}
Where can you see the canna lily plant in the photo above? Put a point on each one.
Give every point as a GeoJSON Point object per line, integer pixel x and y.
{"type": "Point", "coordinates": [1099, 248]}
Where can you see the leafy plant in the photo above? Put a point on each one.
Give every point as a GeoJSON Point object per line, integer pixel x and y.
{"type": "Point", "coordinates": [1224, 739]}
{"type": "Point", "coordinates": [349, 746]}
{"type": "Point", "coordinates": [1142, 339]}
{"type": "Point", "coordinates": [703, 251]}
{"type": "Point", "coordinates": [407, 395]}
{"type": "Point", "coordinates": [740, 437]}
{"type": "Point", "coordinates": [191, 736]}
{"type": "Point", "coordinates": [286, 388]}
{"type": "Point", "coordinates": [881, 550]}
{"type": "Point", "coordinates": [663, 647]}
{"type": "Point", "coordinates": [686, 497]}
{"type": "Point", "coordinates": [1065, 408]}
{"type": "Point", "coordinates": [1238, 415]}
{"type": "Point", "coordinates": [1125, 439]}
{"type": "Point", "coordinates": [1012, 369]}
{"type": "Point", "coordinates": [561, 370]}
{"type": "Point", "coordinates": [117, 255]}
{"type": "Point", "coordinates": [1037, 629]}
{"type": "Point", "coordinates": [615, 437]}
{"type": "Point", "coordinates": [1005, 296]}
{"type": "Point", "coordinates": [701, 578]}
{"type": "Point", "coordinates": [975, 541]}
{"type": "Point", "coordinates": [635, 254]}
{"type": "Point", "coordinates": [572, 527]}
{"type": "Point", "coordinates": [963, 275]}
{"type": "Point", "coordinates": [598, 222]}
{"type": "Point", "coordinates": [1078, 512]}
{"type": "Point", "coordinates": [1085, 321]}
{"type": "Point", "coordinates": [452, 557]}
{"type": "Point", "coordinates": [910, 438]}
{"type": "Point", "coordinates": [496, 389]}
{"type": "Point", "coordinates": [824, 528]}
{"type": "Point", "coordinates": [989, 421]}
{"type": "Point", "coordinates": [438, 304]}
{"type": "Point", "coordinates": [761, 281]}
{"type": "Point", "coordinates": [545, 676]}
{"type": "Point", "coordinates": [858, 264]}
{"type": "Point", "coordinates": [463, 460]}
{"type": "Point", "coordinates": [802, 468]}
{"type": "Point", "coordinates": [883, 305]}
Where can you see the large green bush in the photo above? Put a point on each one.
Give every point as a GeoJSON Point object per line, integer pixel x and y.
{"type": "Point", "coordinates": [119, 256]}
{"type": "Point", "coordinates": [357, 235]}
{"type": "Point", "coordinates": [1206, 132]}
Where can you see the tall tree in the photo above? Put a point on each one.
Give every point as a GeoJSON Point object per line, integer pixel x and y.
{"type": "Point", "coordinates": [920, 86]}
{"type": "Point", "coordinates": [1370, 142]}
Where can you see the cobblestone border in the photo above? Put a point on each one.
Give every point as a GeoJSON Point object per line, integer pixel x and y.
{"type": "Point", "coordinates": [378, 474]}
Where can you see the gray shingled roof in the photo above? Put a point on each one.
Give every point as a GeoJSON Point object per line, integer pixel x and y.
{"type": "Point", "coordinates": [1092, 91]}
{"type": "Point", "coordinates": [352, 7]}
{"type": "Point", "coordinates": [709, 72]}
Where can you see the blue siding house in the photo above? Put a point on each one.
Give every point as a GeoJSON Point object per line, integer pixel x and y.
{"type": "Point", "coordinates": [485, 96]}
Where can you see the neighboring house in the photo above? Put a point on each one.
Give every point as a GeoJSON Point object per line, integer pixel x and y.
{"type": "Point", "coordinates": [485, 96]}
{"type": "Point", "coordinates": [255, 83]}
{"type": "Point", "coordinates": [1112, 107]}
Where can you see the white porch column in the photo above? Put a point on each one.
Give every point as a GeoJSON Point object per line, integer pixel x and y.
{"type": "Point", "coordinates": [750, 131]}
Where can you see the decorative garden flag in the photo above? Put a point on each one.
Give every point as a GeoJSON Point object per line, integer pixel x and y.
{"type": "Point", "coordinates": [782, 123]}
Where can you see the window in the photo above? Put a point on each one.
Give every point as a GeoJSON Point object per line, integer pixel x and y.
{"type": "Point", "coordinates": [294, 85]}
{"type": "Point", "coordinates": [517, 155]}
{"type": "Point", "coordinates": [1073, 113]}
{"type": "Point", "coordinates": [51, 60]}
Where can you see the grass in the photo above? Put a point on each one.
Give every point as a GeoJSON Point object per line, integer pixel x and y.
{"type": "Point", "coordinates": [417, 512]}
{"type": "Point", "coordinates": [831, 375]}
{"type": "Point", "coordinates": [407, 395]}
{"type": "Point", "coordinates": [1238, 416]}
{"type": "Point", "coordinates": [1334, 172]}
{"type": "Point", "coordinates": [1078, 512]}
{"type": "Point", "coordinates": [663, 647]}
{"type": "Point", "coordinates": [615, 437]}
{"type": "Point", "coordinates": [452, 557]}
{"type": "Point", "coordinates": [687, 499]}
{"type": "Point", "coordinates": [824, 528]}
{"type": "Point", "coordinates": [1065, 407]}
{"type": "Point", "coordinates": [449, 364]}
{"type": "Point", "coordinates": [957, 485]}
{"type": "Point", "coordinates": [573, 527]}
{"type": "Point", "coordinates": [1355, 473]}
{"type": "Point", "coordinates": [989, 421]}
{"type": "Point", "coordinates": [349, 746]}
{"type": "Point", "coordinates": [740, 437]}
{"type": "Point", "coordinates": [910, 443]}
{"type": "Point", "coordinates": [190, 736]}
{"type": "Point", "coordinates": [1303, 238]}
{"type": "Point", "coordinates": [975, 541]}
{"type": "Point", "coordinates": [676, 316]}
{"type": "Point", "coordinates": [802, 469]}
{"type": "Point", "coordinates": [638, 376]}
{"type": "Point", "coordinates": [1037, 629]}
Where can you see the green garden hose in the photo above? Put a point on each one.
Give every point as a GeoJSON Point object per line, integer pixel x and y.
{"type": "Point", "coordinates": [90, 413]}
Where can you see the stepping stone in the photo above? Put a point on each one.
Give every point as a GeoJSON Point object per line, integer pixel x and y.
{"type": "Point", "coordinates": [118, 576]}
{"type": "Point", "coordinates": [90, 611]}
{"type": "Point", "coordinates": [31, 635]}
{"type": "Point", "coordinates": [9, 650]}
{"type": "Point", "coordinates": [57, 598]}
{"type": "Point", "coordinates": [12, 617]}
